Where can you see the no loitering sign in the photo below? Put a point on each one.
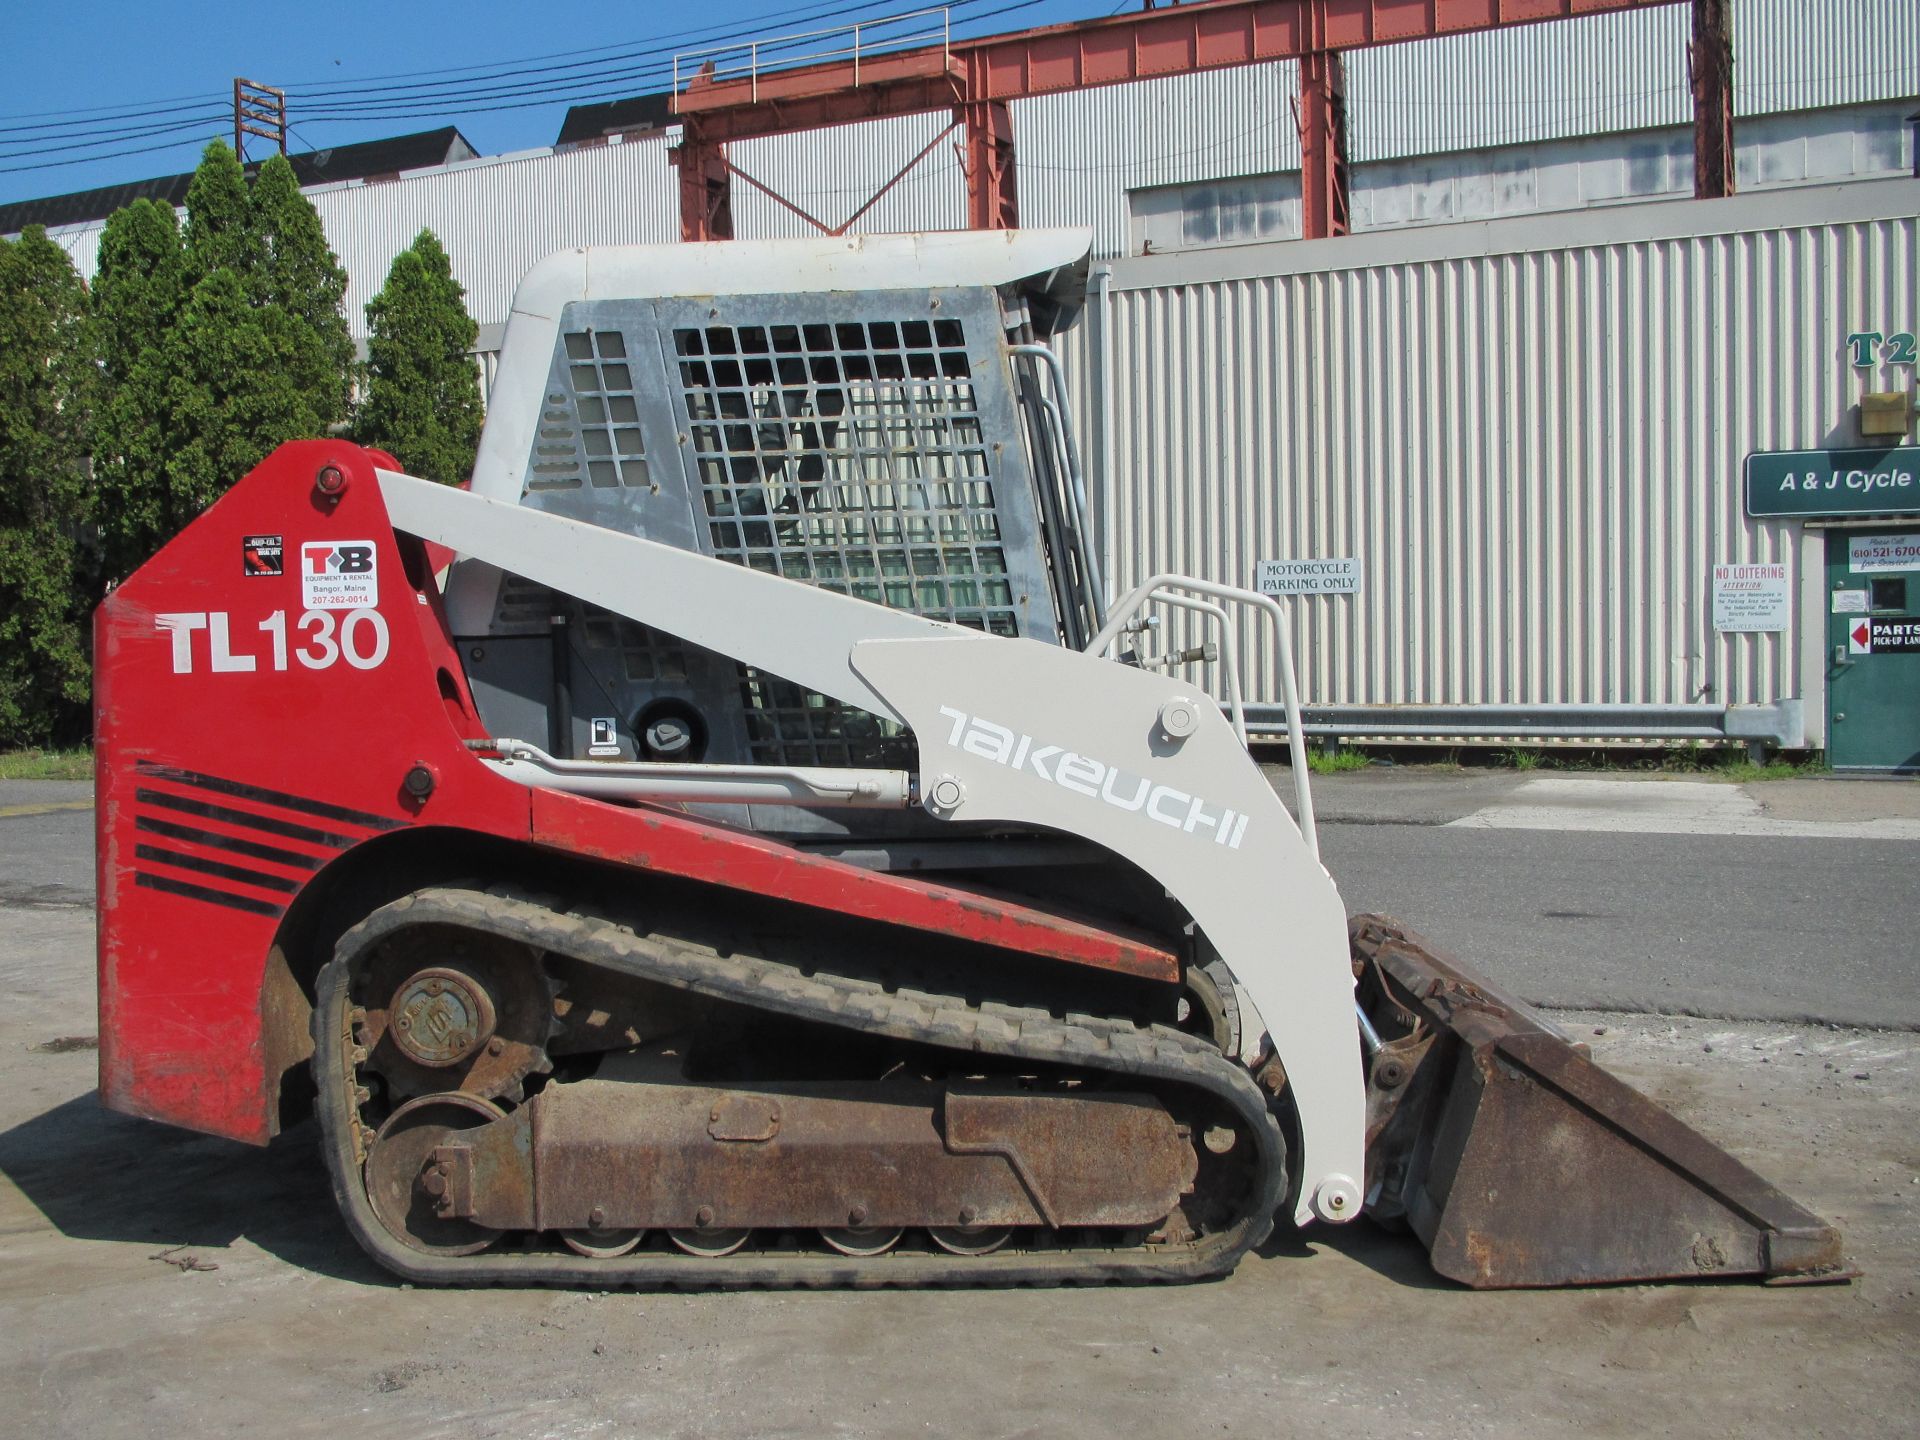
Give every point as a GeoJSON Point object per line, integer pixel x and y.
{"type": "Point", "coordinates": [1750, 598]}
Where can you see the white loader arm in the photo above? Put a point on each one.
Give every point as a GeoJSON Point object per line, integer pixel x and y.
{"type": "Point", "coordinates": [1015, 731]}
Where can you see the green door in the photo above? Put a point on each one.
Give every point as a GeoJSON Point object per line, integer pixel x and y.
{"type": "Point", "coordinates": [1873, 649]}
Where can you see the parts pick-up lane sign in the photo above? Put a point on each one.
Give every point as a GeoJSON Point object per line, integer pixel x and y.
{"type": "Point", "coordinates": [1900, 636]}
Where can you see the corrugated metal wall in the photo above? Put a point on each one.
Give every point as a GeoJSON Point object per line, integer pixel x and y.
{"type": "Point", "coordinates": [1080, 154]}
{"type": "Point", "coordinates": [1625, 71]}
{"type": "Point", "coordinates": [831, 173]}
{"type": "Point", "coordinates": [1536, 454]}
{"type": "Point", "coordinates": [498, 218]}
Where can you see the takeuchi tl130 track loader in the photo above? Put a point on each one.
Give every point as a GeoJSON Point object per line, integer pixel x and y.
{"type": "Point", "coordinates": [739, 841]}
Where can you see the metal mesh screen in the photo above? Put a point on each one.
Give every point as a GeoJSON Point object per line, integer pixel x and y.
{"type": "Point", "coordinates": [851, 456]}
{"type": "Point", "coordinates": [603, 431]}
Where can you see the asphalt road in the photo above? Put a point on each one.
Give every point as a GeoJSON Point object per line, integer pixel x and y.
{"type": "Point", "coordinates": [1736, 927]}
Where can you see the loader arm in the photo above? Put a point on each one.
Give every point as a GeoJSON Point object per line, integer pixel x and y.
{"type": "Point", "coordinates": [1020, 732]}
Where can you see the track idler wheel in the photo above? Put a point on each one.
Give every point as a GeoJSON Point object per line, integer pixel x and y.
{"type": "Point", "coordinates": [970, 1239]}
{"type": "Point", "coordinates": [409, 1182]}
{"type": "Point", "coordinates": [863, 1242]}
{"type": "Point", "coordinates": [602, 1244]}
{"type": "Point", "coordinates": [711, 1244]}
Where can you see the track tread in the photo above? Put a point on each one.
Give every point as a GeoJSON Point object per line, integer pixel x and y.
{"type": "Point", "coordinates": [1157, 1053]}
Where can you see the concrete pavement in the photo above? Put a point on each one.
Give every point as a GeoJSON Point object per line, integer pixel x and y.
{"type": "Point", "coordinates": [159, 1282]}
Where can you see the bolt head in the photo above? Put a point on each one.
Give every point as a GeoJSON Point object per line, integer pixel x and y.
{"type": "Point", "coordinates": [330, 481]}
{"type": "Point", "coordinates": [968, 1214]}
{"type": "Point", "coordinates": [496, 1046]}
{"type": "Point", "coordinates": [857, 1215]}
{"type": "Point", "coordinates": [1179, 718]}
{"type": "Point", "coordinates": [703, 1217]}
{"type": "Point", "coordinates": [597, 1218]}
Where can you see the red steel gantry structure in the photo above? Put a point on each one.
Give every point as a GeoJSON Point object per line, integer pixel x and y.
{"type": "Point", "coordinates": [977, 80]}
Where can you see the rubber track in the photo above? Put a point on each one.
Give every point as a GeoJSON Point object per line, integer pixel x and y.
{"type": "Point", "coordinates": [1160, 1055]}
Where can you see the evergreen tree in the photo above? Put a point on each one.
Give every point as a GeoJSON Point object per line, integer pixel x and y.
{"type": "Point", "coordinates": [301, 278]}
{"type": "Point", "coordinates": [137, 297]}
{"type": "Point", "coordinates": [231, 396]}
{"type": "Point", "coordinates": [224, 341]}
{"type": "Point", "coordinates": [423, 389]}
{"type": "Point", "coordinates": [48, 383]}
{"type": "Point", "coordinates": [221, 232]}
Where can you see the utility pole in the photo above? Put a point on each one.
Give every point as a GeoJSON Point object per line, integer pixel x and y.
{"type": "Point", "coordinates": [1710, 63]}
{"type": "Point", "coordinates": [258, 110]}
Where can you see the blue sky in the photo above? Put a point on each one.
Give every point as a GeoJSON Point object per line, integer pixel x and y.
{"type": "Point", "coordinates": [74, 78]}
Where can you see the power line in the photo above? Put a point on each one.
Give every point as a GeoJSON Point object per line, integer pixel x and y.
{"type": "Point", "coordinates": [106, 120]}
{"type": "Point", "coordinates": [357, 103]}
{"type": "Point", "coordinates": [585, 90]}
{"type": "Point", "coordinates": [582, 86]}
{"type": "Point", "coordinates": [111, 155]}
{"type": "Point", "coordinates": [509, 70]}
{"type": "Point", "coordinates": [517, 66]}
{"type": "Point", "coordinates": [193, 123]}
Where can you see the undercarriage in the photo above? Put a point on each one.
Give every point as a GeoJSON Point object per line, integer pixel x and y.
{"type": "Point", "coordinates": [516, 1090]}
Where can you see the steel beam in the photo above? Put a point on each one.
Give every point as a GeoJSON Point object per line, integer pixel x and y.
{"type": "Point", "coordinates": [1710, 60]}
{"type": "Point", "coordinates": [1322, 117]}
{"type": "Point", "coordinates": [1142, 45]}
{"type": "Point", "coordinates": [706, 187]}
{"type": "Point", "coordinates": [992, 201]}
{"type": "Point", "coordinates": [977, 78]}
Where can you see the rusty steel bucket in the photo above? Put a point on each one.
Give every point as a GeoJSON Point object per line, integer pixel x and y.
{"type": "Point", "coordinates": [1519, 1162]}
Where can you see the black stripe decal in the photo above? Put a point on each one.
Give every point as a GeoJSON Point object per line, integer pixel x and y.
{"type": "Point", "coordinates": [212, 897]}
{"type": "Point", "coordinates": [241, 790]}
{"type": "Point", "coordinates": [252, 849]}
{"type": "Point", "coordinates": [217, 867]}
{"type": "Point", "coordinates": [242, 817]}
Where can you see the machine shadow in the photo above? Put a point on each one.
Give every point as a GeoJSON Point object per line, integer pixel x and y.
{"type": "Point", "coordinates": [1393, 1255]}
{"type": "Point", "coordinates": [98, 1175]}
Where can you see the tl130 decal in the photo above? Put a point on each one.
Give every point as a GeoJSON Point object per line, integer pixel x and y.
{"type": "Point", "coordinates": [319, 640]}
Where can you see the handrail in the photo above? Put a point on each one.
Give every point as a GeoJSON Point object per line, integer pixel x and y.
{"type": "Point", "coordinates": [1137, 598]}
{"type": "Point", "coordinates": [698, 59]}
{"type": "Point", "coordinates": [1229, 661]}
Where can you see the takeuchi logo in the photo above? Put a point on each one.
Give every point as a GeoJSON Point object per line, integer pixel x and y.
{"type": "Point", "coordinates": [1095, 779]}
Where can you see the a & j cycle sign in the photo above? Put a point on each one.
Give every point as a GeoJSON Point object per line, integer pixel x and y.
{"type": "Point", "coordinates": [1835, 482]}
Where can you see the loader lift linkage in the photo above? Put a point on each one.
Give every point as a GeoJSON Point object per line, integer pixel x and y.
{"type": "Point", "coordinates": [650, 906]}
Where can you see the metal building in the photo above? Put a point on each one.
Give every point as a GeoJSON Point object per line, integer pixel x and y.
{"type": "Point", "coordinates": [1528, 434]}
{"type": "Point", "coordinates": [1519, 398]}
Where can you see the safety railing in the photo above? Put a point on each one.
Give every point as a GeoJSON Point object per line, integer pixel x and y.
{"type": "Point", "coordinates": [1179, 592]}
{"type": "Point", "coordinates": [860, 41]}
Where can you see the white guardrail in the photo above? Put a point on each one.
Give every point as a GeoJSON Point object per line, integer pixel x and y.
{"type": "Point", "coordinates": [751, 59]}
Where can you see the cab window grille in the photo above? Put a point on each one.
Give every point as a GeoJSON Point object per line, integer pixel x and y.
{"type": "Point", "coordinates": [605, 423]}
{"type": "Point", "coordinates": [851, 456]}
